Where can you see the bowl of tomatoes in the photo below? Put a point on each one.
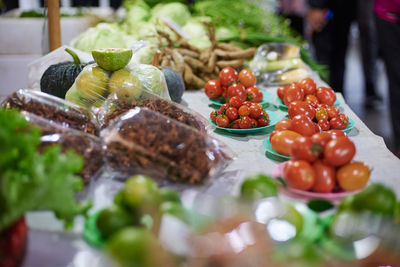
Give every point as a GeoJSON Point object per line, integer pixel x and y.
{"type": "Point", "coordinates": [322, 165]}
{"type": "Point", "coordinates": [233, 84]}
{"type": "Point", "coordinates": [244, 118]}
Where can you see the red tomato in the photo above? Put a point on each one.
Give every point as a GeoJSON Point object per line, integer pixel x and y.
{"type": "Point", "coordinates": [235, 124]}
{"type": "Point", "coordinates": [353, 176]}
{"type": "Point", "coordinates": [337, 123]}
{"type": "Point", "coordinates": [312, 100]}
{"type": "Point", "coordinates": [214, 115]}
{"type": "Point", "coordinates": [235, 102]}
{"type": "Point", "coordinates": [223, 108]}
{"type": "Point", "coordinates": [336, 133]}
{"type": "Point", "coordinates": [345, 120]}
{"type": "Point", "coordinates": [224, 89]}
{"type": "Point", "coordinates": [281, 91]}
{"type": "Point", "coordinates": [248, 103]}
{"type": "Point", "coordinates": [222, 121]}
{"type": "Point", "coordinates": [321, 139]}
{"type": "Point", "coordinates": [232, 113]}
{"type": "Point", "coordinates": [321, 114]}
{"type": "Point", "coordinates": [263, 121]}
{"type": "Point", "coordinates": [213, 89]}
{"type": "Point", "coordinates": [317, 128]}
{"type": "Point", "coordinates": [272, 134]}
{"type": "Point", "coordinates": [247, 78]}
{"type": "Point", "coordinates": [300, 107]}
{"type": "Point", "coordinates": [324, 124]}
{"type": "Point", "coordinates": [308, 86]}
{"type": "Point", "coordinates": [282, 141]}
{"type": "Point", "coordinates": [326, 95]}
{"type": "Point", "coordinates": [293, 93]}
{"type": "Point", "coordinates": [284, 124]}
{"type": "Point", "coordinates": [254, 94]}
{"type": "Point", "coordinates": [322, 106]}
{"type": "Point", "coordinates": [255, 111]}
{"type": "Point", "coordinates": [244, 111]}
{"type": "Point", "coordinates": [304, 149]}
{"type": "Point", "coordinates": [303, 125]}
{"type": "Point", "coordinates": [245, 122]}
{"type": "Point", "coordinates": [228, 76]}
{"type": "Point", "coordinates": [299, 174]}
{"type": "Point", "coordinates": [333, 111]}
{"type": "Point", "coordinates": [339, 151]}
{"type": "Point", "coordinates": [325, 179]}
{"type": "Point", "coordinates": [254, 123]}
{"type": "Point", "coordinates": [236, 89]}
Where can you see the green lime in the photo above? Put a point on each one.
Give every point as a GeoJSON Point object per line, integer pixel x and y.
{"type": "Point", "coordinates": [169, 194]}
{"type": "Point", "coordinates": [376, 198]}
{"type": "Point", "coordinates": [133, 247]}
{"type": "Point", "coordinates": [294, 217]}
{"type": "Point", "coordinates": [125, 85]}
{"type": "Point", "coordinates": [141, 192]}
{"type": "Point", "coordinates": [111, 219]}
{"type": "Point", "coordinates": [258, 186]}
{"type": "Point", "coordinates": [173, 208]}
{"type": "Point", "coordinates": [112, 58]}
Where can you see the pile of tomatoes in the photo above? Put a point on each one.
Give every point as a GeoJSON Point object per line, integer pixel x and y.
{"type": "Point", "coordinates": [316, 104]}
{"type": "Point", "coordinates": [321, 163]}
{"type": "Point", "coordinates": [231, 84]}
{"type": "Point", "coordinates": [240, 115]}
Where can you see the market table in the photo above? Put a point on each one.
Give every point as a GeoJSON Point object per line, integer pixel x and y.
{"type": "Point", "coordinates": [50, 245]}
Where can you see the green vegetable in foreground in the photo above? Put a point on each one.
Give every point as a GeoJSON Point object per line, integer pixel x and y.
{"type": "Point", "coordinates": [33, 181]}
{"type": "Point", "coordinates": [258, 186]}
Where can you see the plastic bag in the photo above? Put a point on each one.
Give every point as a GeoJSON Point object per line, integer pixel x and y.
{"type": "Point", "coordinates": [94, 84]}
{"type": "Point", "coordinates": [86, 145]}
{"type": "Point", "coordinates": [53, 109]}
{"type": "Point", "coordinates": [142, 141]}
{"type": "Point", "coordinates": [115, 106]}
{"type": "Point", "coordinates": [278, 63]}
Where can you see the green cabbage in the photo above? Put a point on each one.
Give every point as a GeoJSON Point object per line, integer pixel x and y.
{"type": "Point", "coordinates": [177, 12]}
{"type": "Point", "coordinates": [103, 35]}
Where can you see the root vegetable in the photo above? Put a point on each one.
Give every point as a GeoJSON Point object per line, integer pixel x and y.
{"type": "Point", "coordinates": [197, 82]}
{"type": "Point", "coordinates": [236, 54]}
{"type": "Point", "coordinates": [188, 74]}
{"type": "Point", "coordinates": [230, 63]}
{"type": "Point", "coordinates": [205, 54]}
{"type": "Point", "coordinates": [179, 61]}
{"type": "Point", "coordinates": [211, 63]}
{"type": "Point", "coordinates": [187, 52]}
{"type": "Point", "coordinates": [194, 63]}
{"type": "Point", "coordinates": [229, 47]}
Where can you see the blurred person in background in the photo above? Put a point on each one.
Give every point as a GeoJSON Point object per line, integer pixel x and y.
{"type": "Point", "coordinates": [294, 11]}
{"type": "Point", "coordinates": [387, 17]}
{"type": "Point", "coordinates": [330, 22]}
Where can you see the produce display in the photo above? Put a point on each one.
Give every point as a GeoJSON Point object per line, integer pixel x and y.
{"type": "Point", "coordinates": [144, 141]}
{"type": "Point", "coordinates": [85, 145]}
{"type": "Point", "coordinates": [53, 109]}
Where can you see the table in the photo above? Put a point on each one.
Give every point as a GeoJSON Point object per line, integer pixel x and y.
{"type": "Point", "coordinates": [49, 245]}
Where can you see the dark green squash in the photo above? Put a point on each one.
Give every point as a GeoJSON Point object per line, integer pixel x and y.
{"type": "Point", "coordinates": [58, 78]}
{"type": "Point", "coordinates": [175, 84]}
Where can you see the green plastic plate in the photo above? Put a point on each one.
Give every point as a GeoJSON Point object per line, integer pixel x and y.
{"type": "Point", "coordinates": [90, 232]}
{"type": "Point", "coordinates": [267, 99]}
{"type": "Point", "coordinates": [270, 151]}
{"type": "Point", "coordinates": [274, 117]}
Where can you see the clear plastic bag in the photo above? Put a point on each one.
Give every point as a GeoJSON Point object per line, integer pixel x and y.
{"type": "Point", "coordinates": [115, 106]}
{"type": "Point", "coordinates": [94, 84]}
{"type": "Point", "coordinates": [86, 145]}
{"type": "Point", "coordinates": [53, 109]}
{"type": "Point", "coordinates": [278, 63]}
{"type": "Point", "coordinates": [142, 141]}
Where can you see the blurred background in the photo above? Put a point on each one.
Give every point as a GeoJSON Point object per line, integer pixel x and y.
{"type": "Point", "coordinates": [366, 91]}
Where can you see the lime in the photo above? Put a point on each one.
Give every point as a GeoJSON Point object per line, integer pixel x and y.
{"type": "Point", "coordinates": [140, 193]}
{"type": "Point", "coordinates": [92, 83]}
{"type": "Point", "coordinates": [173, 208]}
{"type": "Point", "coordinates": [258, 186]}
{"type": "Point", "coordinates": [111, 219]}
{"type": "Point", "coordinates": [133, 247]}
{"type": "Point", "coordinates": [125, 85]}
{"type": "Point", "coordinates": [168, 194]}
{"type": "Point", "coordinates": [112, 58]}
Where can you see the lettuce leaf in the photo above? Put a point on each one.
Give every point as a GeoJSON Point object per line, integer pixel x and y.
{"type": "Point", "coordinates": [30, 180]}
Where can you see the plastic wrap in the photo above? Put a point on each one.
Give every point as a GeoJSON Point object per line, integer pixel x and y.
{"type": "Point", "coordinates": [94, 84]}
{"type": "Point", "coordinates": [278, 63]}
{"type": "Point", "coordinates": [146, 142]}
{"type": "Point", "coordinates": [86, 145]}
{"type": "Point", "coordinates": [53, 109]}
{"type": "Point", "coordinates": [115, 106]}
